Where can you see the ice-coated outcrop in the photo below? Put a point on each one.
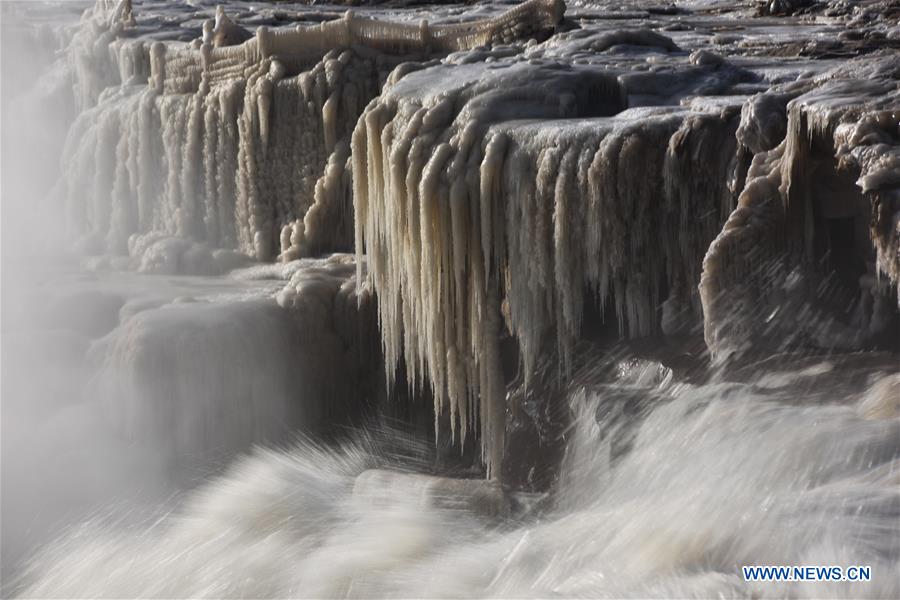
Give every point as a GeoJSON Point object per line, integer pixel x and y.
{"type": "Point", "coordinates": [821, 206]}
{"type": "Point", "coordinates": [213, 373]}
{"type": "Point", "coordinates": [492, 198]}
{"type": "Point", "coordinates": [228, 164]}
{"type": "Point", "coordinates": [232, 144]}
{"type": "Point", "coordinates": [502, 191]}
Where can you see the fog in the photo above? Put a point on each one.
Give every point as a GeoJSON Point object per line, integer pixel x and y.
{"type": "Point", "coordinates": [119, 390]}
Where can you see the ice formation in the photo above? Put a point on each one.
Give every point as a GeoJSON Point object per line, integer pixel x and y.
{"type": "Point", "coordinates": [231, 145]}
{"type": "Point", "coordinates": [500, 184]}
{"type": "Point", "coordinates": [214, 165]}
{"type": "Point", "coordinates": [844, 124]}
{"type": "Point", "coordinates": [531, 183]}
{"type": "Point", "coordinates": [161, 381]}
{"type": "Point", "coordinates": [525, 186]}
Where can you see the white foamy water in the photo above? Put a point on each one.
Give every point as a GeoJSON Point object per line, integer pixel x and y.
{"type": "Point", "coordinates": [670, 501]}
{"type": "Point", "coordinates": [122, 389]}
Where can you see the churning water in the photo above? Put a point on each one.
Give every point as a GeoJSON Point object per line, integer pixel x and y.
{"type": "Point", "coordinates": [667, 495]}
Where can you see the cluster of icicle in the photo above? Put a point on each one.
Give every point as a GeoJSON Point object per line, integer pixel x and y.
{"type": "Point", "coordinates": [231, 145]}
{"type": "Point", "coordinates": [855, 112]}
{"type": "Point", "coordinates": [229, 164]}
{"type": "Point", "coordinates": [470, 217]}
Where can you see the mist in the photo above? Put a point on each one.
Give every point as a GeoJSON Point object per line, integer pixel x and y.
{"type": "Point", "coordinates": [120, 391]}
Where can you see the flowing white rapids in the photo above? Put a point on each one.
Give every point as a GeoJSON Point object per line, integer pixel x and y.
{"type": "Point", "coordinates": [669, 500]}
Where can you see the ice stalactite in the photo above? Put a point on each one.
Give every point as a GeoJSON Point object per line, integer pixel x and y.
{"type": "Point", "coordinates": [279, 165]}
{"type": "Point", "coordinates": [228, 164]}
{"type": "Point", "coordinates": [698, 156]}
{"type": "Point", "coordinates": [328, 224]}
{"type": "Point", "coordinates": [499, 198]}
{"type": "Point", "coordinates": [827, 193]}
{"type": "Point", "coordinates": [230, 140]}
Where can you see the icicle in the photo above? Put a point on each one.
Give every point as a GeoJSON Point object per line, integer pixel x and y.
{"type": "Point", "coordinates": [461, 234]}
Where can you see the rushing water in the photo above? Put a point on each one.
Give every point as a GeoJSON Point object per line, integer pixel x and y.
{"type": "Point", "coordinates": [718, 476]}
{"type": "Point", "coordinates": [667, 489]}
